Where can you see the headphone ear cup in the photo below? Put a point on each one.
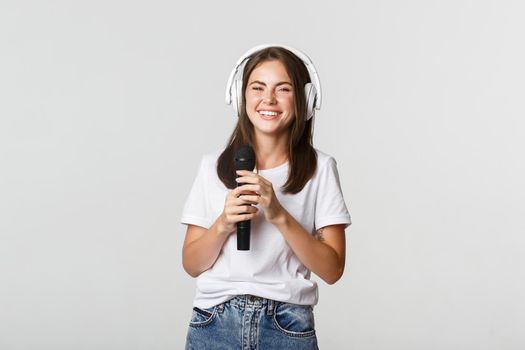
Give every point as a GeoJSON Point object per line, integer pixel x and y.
{"type": "Point", "coordinates": [237, 96]}
{"type": "Point", "coordinates": [310, 95]}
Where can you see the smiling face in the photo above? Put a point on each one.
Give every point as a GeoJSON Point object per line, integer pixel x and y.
{"type": "Point", "coordinates": [270, 98]}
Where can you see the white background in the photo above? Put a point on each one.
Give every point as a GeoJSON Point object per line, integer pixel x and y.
{"type": "Point", "coordinates": [107, 106]}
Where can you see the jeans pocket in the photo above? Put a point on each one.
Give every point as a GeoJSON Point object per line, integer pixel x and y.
{"type": "Point", "coordinates": [294, 320]}
{"type": "Point", "coordinates": [202, 317]}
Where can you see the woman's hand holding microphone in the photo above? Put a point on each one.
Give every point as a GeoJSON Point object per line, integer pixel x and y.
{"type": "Point", "coordinates": [239, 204]}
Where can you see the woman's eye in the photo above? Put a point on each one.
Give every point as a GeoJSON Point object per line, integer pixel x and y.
{"type": "Point", "coordinates": [285, 90]}
{"type": "Point", "coordinates": [258, 88]}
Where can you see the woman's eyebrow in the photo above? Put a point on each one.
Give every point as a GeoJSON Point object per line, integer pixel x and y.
{"type": "Point", "coordinates": [260, 82]}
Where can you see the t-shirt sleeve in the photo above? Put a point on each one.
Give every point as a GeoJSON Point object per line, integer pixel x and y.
{"type": "Point", "coordinates": [330, 207]}
{"type": "Point", "coordinates": [195, 209]}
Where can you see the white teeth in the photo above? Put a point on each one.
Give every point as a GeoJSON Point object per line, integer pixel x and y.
{"type": "Point", "coordinates": [268, 113]}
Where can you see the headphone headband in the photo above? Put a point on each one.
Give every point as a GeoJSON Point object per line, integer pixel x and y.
{"type": "Point", "coordinates": [235, 78]}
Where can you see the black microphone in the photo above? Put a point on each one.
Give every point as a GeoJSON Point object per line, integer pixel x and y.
{"type": "Point", "coordinates": [244, 160]}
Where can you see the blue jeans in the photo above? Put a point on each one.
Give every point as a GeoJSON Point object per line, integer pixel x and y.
{"type": "Point", "coordinates": [248, 322]}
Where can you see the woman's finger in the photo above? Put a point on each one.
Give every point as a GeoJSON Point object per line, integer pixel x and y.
{"type": "Point", "coordinates": [246, 173]}
{"type": "Point", "coordinates": [247, 198]}
{"type": "Point", "coordinates": [246, 189]}
{"type": "Point", "coordinates": [245, 209]}
{"type": "Point", "coordinates": [236, 217]}
{"type": "Point", "coordinates": [247, 180]}
{"type": "Point", "coordinates": [243, 200]}
{"type": "Point", "coordinates": [240, 209]}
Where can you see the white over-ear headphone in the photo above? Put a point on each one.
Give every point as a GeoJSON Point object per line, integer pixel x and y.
{"type": "Point", "coordinates": [312, 90]}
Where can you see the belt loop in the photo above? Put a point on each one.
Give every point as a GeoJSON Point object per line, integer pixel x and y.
{"type": "Point", "coordinates": [220, 308]}
{"type": "Point", "coordinates": [270, 307]}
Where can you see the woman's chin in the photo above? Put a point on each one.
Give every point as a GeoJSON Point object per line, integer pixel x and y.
{"type": "Point", "coordinates": [269, 130]}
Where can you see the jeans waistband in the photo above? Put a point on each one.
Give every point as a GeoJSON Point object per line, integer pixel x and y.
{"type": "Point", "coordinates": [252, 301]}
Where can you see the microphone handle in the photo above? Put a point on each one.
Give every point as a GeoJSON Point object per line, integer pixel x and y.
{"type": "Point", "coordinates": [243, 233]}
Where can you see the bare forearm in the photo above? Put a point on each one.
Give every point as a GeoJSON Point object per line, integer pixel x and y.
{"type": "Point", "coordinates": [313, 253]}
{"type": "Point", "coordinates": [199, 255]}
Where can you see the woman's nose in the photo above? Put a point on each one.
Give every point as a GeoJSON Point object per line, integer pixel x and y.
{"type": "Point", "coordinates": [269, 96]}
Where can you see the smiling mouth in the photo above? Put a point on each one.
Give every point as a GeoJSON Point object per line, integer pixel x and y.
{"type": "Point", "coordinates": [269, 115]}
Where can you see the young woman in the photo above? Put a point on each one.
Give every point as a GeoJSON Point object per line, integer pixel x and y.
{"type": "Point", "coordinates": [263, 298]}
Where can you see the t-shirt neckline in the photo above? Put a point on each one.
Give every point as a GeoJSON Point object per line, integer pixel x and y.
{"type": "Point", "coordinates": [274, 169]}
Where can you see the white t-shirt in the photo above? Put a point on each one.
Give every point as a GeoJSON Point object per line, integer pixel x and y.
{"type": "Point", "coordinates": [270, 269]}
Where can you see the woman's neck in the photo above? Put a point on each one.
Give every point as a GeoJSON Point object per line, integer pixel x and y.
{"type": "Point", "coordinates": [270, 151]}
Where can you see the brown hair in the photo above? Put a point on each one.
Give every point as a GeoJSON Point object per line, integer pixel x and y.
{"type": "Point", "coordinates": [302, 157]}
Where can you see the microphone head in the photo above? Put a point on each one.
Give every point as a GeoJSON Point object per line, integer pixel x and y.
{"type": "Point", "coordinates": [245, 158]}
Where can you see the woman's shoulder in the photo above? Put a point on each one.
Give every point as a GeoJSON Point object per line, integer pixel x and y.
{"type": "Point", "coordinates": [211, 157]}
{"type": "Point", "coordinates": [324, 159]}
